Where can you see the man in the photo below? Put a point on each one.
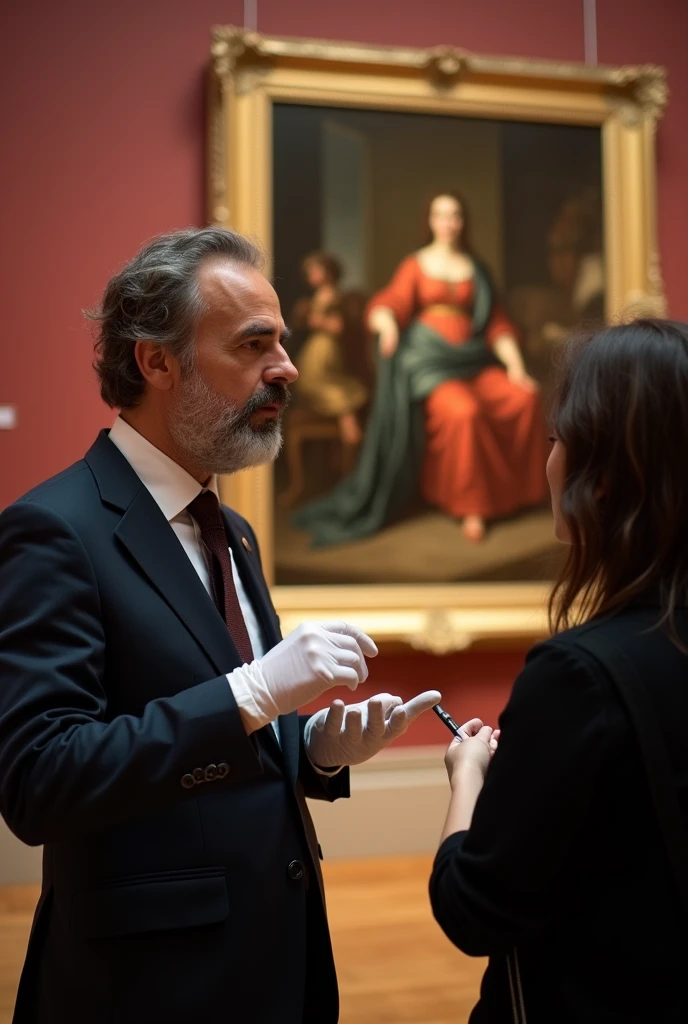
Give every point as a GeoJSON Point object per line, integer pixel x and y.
{"type": "Point", "coordinates": [148, 734]}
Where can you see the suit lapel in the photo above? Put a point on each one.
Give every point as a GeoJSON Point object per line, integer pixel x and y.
{"type": "Point", "coordinates": [247, 563]}
{"type": "Point", "coordinates": [151, 542]}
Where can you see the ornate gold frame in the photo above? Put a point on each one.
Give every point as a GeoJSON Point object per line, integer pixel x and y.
{"type": "Point", "coordinates": [249, 72]}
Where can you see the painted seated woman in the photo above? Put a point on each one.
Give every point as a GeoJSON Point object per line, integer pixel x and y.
{"type": "Point", "coordinates": [455, 413]}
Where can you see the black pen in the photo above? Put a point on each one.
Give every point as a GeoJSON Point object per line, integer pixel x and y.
{"type": "Point", "coordinates": [449, 722]}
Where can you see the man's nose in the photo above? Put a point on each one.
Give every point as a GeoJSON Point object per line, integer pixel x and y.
{"type": "Point", "coordinates": [282, 371]}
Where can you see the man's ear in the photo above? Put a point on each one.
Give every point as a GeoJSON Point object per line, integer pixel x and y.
{"type": "Point", "coordinates": [157, 365]}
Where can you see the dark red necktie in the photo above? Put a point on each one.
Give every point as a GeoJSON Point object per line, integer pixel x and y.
{"type": "Point", "coordinates": [206, 511]}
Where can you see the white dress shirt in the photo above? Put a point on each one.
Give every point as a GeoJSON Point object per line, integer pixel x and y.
{"type": "Point", "coordinates": [173, 489]}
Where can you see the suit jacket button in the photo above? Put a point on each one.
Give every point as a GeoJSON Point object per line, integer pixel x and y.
{"type": "Point", "coordinates": [211, 773]}
{"type": "Point", "coordinates": [295, 871]}
{"type": "Point", "coordinates": [223, 770]}
{"type": "Point", "coordinates": [199, 775]}
{"type": "Point", "coordinates": [188, 781]}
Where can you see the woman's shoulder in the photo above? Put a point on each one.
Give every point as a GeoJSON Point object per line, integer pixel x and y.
{"type": "Point", "coordinates": [562, 655]}
{"type": "Point", "coordinates": [591, 649]}
{"type": "Point", "coordinates": [572, 667]}
{"type": "Point", "coordinates": [412, 261]}
{"type": "Point", "coordinates": [572, 646]}
{"type": "Point", "coordinates": [558, 688]}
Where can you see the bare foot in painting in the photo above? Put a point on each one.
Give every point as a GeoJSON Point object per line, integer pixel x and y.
{"type": "Point", "coordinates": [474, 529]}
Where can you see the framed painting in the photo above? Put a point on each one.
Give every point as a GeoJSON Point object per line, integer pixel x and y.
{"type": "Point", "coordinates": [437, 223]}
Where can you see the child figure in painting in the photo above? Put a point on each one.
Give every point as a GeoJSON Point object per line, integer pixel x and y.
{"type": "Point", "coordinates": [324, 384]}
{"type": "Point", "coordinates": [322, 272]}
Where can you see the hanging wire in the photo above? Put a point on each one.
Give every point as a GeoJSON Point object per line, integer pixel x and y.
{"type": "Point", "coordinates": [589, 31]}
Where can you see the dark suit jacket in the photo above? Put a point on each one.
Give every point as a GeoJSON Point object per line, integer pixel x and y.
{"type": "Point", "coordinates": [564, 859]}
{"type": "Point", "coordinates": [160, 903]}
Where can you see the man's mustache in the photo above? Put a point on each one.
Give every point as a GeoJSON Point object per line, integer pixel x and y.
{"type": "Point", "coordinates": [269, 394]}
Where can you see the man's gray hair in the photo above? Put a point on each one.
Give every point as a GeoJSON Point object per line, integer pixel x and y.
{"type": "Point", "coordinates": [156, 297]}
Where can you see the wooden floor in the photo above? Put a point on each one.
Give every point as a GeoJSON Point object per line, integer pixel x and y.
{"type": "Point", "coordinates": [394, 964]}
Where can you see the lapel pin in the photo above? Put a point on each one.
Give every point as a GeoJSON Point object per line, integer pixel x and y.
{"type": "Point", "coordinates": [246, 544]}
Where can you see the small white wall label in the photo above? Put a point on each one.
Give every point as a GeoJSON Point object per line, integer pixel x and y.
{"type": "Point", "coordinates": [8, 417]}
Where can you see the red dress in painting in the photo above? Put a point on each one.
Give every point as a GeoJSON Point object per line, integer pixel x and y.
{"type": "Point", "coordinates": [486, 437]}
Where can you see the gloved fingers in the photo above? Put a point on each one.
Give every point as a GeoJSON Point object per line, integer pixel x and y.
{"type": "Point", "coordinates": [353, 724]}
{"type": "Point", "coordinates": [423, 702]}
{"type": "Point", "coordinates": [334, 717]}
{"type": "Point", "coordinates": [404, 714]}
{"type": "Point", "coordinates": [350, 659]}
{"type": "Point", "coordinates": [345, 650]}
{"type": "Point", "coordinates": [345, 629]}
{"type": "Point", "coordinates": [380, 707]}
{"type": "Point", "coordinates": [398, 722]}
{"type": "Point", "coordinates": [348, 677]}
{"type": "Point", "coordinates": [375, 724]}
{"type": "Point", "coordinates": [388, 701]}
{"type": "Point", "coordinates": [343, 642]}
{"type": "Point", "coordinates": [317, 720]}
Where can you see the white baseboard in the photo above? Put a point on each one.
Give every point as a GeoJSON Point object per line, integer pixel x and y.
{"type": "Point", "coordinates": [397, 806]}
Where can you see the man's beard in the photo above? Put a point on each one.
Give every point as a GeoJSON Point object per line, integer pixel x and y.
{"type": "Point", "coordinates": [217, 436]}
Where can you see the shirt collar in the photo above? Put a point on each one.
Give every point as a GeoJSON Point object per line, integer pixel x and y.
{"type": "Point", "coordinates": [171, 487]}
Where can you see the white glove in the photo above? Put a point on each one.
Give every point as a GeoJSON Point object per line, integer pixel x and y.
{"type": "Point", "coordinates": [341, 735]}
{"type": "Point", "coordinates": [312, 659]}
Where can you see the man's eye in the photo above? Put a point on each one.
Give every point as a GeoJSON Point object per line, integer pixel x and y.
{"type": "Point", "coordinates": [254, 345]}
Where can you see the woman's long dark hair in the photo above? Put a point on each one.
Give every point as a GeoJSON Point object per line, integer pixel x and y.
{"type": "Point", "coordinates": [621, 412]}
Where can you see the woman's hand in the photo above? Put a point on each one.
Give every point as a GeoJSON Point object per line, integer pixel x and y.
{"type": "Point", "coordinates": [475, 752]}
{"type": "Point", "coordinates": [383, 323]}
{"type": "Point", "coordinates": [466, 764]}
{"type": "Point", "coordinates": [389, 341]}
{"type": "Point", "coordinates": [508, 351]}
{"type": "Point", "coordinates": [518, 375]}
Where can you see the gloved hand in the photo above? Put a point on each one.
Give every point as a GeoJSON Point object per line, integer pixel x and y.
{"type": "Point", "coordinates": [312, 659]}
{"type": "Point", "coordinates": [341, 735]}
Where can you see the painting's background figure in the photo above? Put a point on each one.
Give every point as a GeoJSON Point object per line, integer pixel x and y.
{"type": "Point", "coordinates": [322, 272]}
{"type": "Point", "coordinates": [575, 262]}
{"type": "Point", "coordinates": [324, 385]}
{"type": "Point", "coordinates": [571, 291]}
{"type": "Point", "coordinates": [329, 347]}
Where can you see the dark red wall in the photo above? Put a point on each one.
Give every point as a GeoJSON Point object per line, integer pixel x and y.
{"type": "Point", "coordinates": [103, 126]}
{"type": "Point", "coordinates": [473, 684]}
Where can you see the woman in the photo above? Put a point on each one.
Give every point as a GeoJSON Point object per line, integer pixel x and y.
{"type": "Point", "coordinates": [454, 409]}
{"type": "Point", "coordinates": [562, 863]}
